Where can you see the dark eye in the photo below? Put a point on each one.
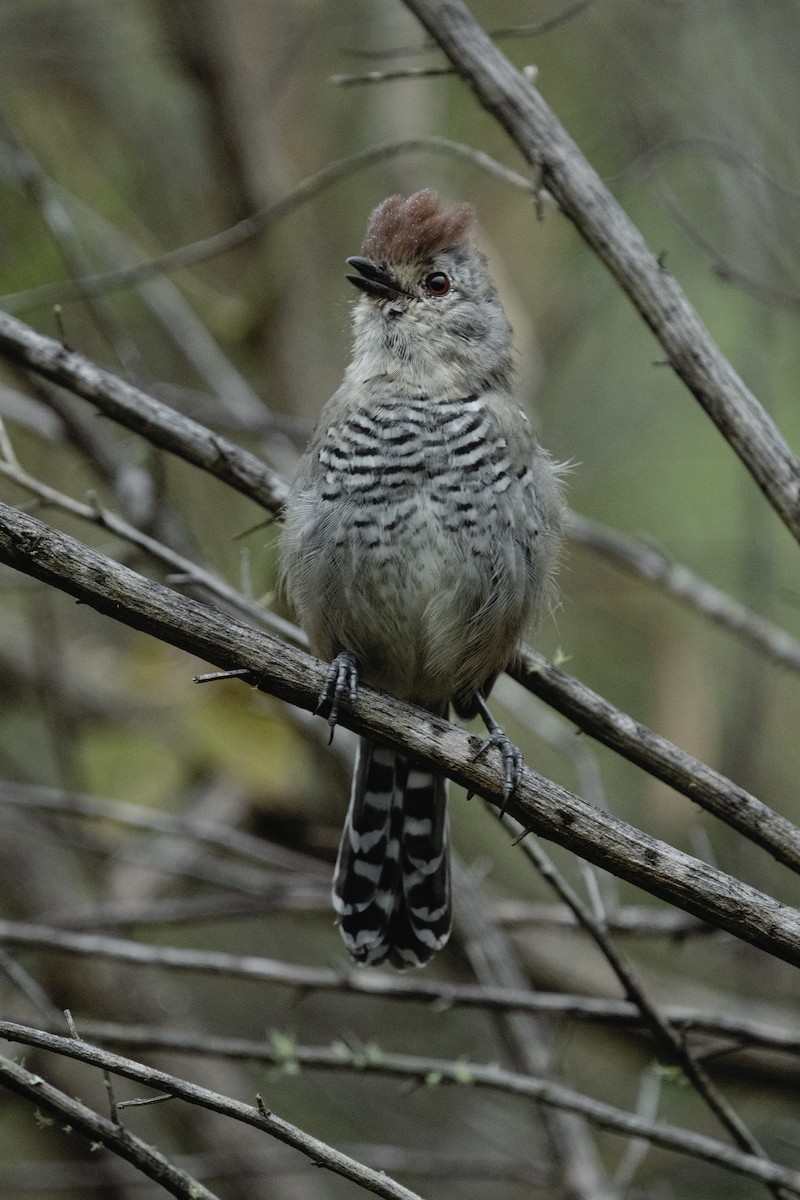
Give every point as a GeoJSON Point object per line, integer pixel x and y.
{"type": "Point", "coordinates": [437, 284]}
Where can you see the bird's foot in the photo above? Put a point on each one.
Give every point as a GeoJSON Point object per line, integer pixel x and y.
{"type": "Point", "coordinates": [511, 754]}
{"type": "Point", "coordinates": [342, 680]}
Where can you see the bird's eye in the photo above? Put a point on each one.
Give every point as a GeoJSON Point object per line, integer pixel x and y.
{"type": "Point", "coordinates": [437, 284]}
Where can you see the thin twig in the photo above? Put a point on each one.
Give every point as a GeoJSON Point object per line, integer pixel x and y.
{"type": "Point", "coordinates": [547, 24]}
{"type": "Point", "coordinates": [531, 29]}
{"type": "Point", "coordinates": [43, 194]}
{"type": "Point", "coordinates": [737, 1032]}
{"type": "Point", "coordinates": [319, 1152]}
{"type": "Point", "coordinates": [388, 76]}
{"type": "Point", "coordinates": [629, 920]}
{"type": "Point", "coordinates": [604, 1115]}
{"type": "Point", "coordinates": [722, 267]}
{"type": "Point", "coordinates": [348, 981]}
{"type": "Point", "coordinates": [644, 562]}
{"type": "Point", "coordinates": [28, 986]}
{"type": "Point", "coordinates": [494, 961]}
{"type": "Point", "coordinates": [302, 897]}
{"type": "Point", "coordinates": [190, 573]}
{"type": "Point", "coordinates": [138, 816]}
{"type": "Point", "coordinates": [704, 148]}
{"type": "Point", "coordinates": [102, 1131]}
{"type": "Point", "coordinates": [664, 1034]}
{"type": "Point", "coordinates": [133, 408]}
{"type": "Point", "coordinates": [250, 227]}
{"type": "Point", "coordinates": [637, 1149]}
{"type": "Point", "coordinates": [232, 392]}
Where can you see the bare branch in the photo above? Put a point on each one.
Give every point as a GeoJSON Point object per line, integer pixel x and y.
{"type": "Point", "coordinates": [703, 148]}
{"type": "Point", "coordinates": [536, 28]}
{"type": "Point", "coordinates": [737, 1031]}
{"type": "Point", "coordinates": [539, 804]}
{"type": "Point", "coordinates": [44, 195]}
{"type": "Point", "coordinates": [677, 580]}
{"type": "Point", "coordinates": [532, 29]}
{"type": "Point", "coordinates": [660, 757]}
{"type": "Point", "coordinates": [101, 1130]}
{"type": "Point", "coordinates": [388, 76]}
{"type": "Point", "coordinates": [134, 409]}
{"type": "Point", "coordinates": [250, 227]}
{"type": "Point", "coordinates": [582, 196]}
{"type": "Point", "coordinates": [663, 1032]}
{"type": "Point", "coordinates": [135, 816]}
{"type": "Point", "coordinates": [29, 987]}
{"type": "Point", "coordinates": [191, 574]}
{"type": "Point", "coordinates": [494, 961]}
{"type": "Point", "coordinates": [301, 897]}
{"type": "Point", "coordinates": [319, 1152]}
{"type": "Point", "coordinates": [628, 920]}
{"type": "Point", "coordinates": [605, 1115]}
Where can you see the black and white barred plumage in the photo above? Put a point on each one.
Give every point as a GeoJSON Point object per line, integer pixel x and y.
{"type": "Point", "coordinates": [420, 538]}
{"type": "Point", "coordinates": [391, 887]}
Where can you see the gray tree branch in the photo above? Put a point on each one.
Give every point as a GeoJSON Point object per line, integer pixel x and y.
{"type": "Point", "coordinates": [658, 756]}
{"type": "Point", "coordinates": [283, 671]}
{"type": "Point", "coordinates": [605, 1115]}
{"type": "Point", "coordinates": [143, 414]}
{"type": "Point", "coordinates": [736, 1031]}
{"type": "Point", "coordinates": [662, 1030]}
{"type": "Point", "coordinates": [319, 1152]}
{"type": "Point", "coordinates": [102, 1131]}
{"type": "Point", "coordinates": [583, 197]}
{"type": "Point", "coordinates": [644, 562]}
{"type": "Point", "coordinates": [228, 462]}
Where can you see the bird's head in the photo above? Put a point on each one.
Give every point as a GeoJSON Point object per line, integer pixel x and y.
{"type": "Point", "coordinates": [430, 315]}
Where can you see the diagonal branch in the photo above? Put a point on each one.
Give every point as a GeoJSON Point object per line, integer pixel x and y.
{"type": "Point", "coordinates": [659, 757]}
{"type": "Point", "coordinates": [644, 562]}
{"type": "Point", "coordinates": [256, 223]}
{"type": "Point", "coordinates": [133, 408]}
{"type": "Point", "coordinates": [528, 1040]}
{"type": "Point", "coordinates": [319, 1152]}
{"type": "Point", "coordinates": [605, 1115]}
{"type": "Point", "coordinates": [583, 197]}
{"type": "Point", "coordinates": [288, 673]}
{"type": "Point", "coordinates": [165, 427]}
{"type": "Point", "coordinates": [664, 1033]}
{"type": "Point", "coordinates": [102, 1131]}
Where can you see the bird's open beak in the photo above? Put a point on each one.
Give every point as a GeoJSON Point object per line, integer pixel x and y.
{"type": "Point", "coordinates": [374, 279]}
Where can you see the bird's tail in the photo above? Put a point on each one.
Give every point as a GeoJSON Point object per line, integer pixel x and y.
{"type": "Point", "coordinates": [391, 887]}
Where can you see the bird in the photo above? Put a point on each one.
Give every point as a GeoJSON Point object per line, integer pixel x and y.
{"type": "Point", "coordinates": [421, 537]}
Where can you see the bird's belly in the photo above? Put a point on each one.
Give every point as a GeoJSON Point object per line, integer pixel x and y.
{"type": "Point", "coordinates": [429, 613]}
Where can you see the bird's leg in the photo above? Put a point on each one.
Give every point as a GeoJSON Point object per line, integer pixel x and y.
{"type": "Point", "coordinates": [511, 754]}
{"type": "Point", "coordinates": [342, 680]}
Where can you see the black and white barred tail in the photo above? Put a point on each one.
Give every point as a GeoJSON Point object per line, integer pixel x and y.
{"type": "Point", "coordinates": [391, 887]}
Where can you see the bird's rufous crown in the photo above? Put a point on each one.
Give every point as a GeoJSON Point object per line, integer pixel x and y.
{"type": "Point", "coordinates": [404, 229]}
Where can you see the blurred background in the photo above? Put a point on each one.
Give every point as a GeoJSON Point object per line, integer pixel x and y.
{"type": "Point", "coordinates": [131, 127]}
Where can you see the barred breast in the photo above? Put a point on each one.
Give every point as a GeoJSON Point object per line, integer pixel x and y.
{"type": "Point", "coordinates": [418, 540]}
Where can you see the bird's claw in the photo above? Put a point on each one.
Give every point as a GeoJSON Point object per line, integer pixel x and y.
{"type": "Point", "coordinates": [511, 754]}
{"type": "Point", "coordinates": [341, 680]}
{"type": "Point", "coordinates": [512, 762]}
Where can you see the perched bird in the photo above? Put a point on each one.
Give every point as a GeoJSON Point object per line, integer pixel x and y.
{"type": "Point", "coordinates": [421, 537]}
